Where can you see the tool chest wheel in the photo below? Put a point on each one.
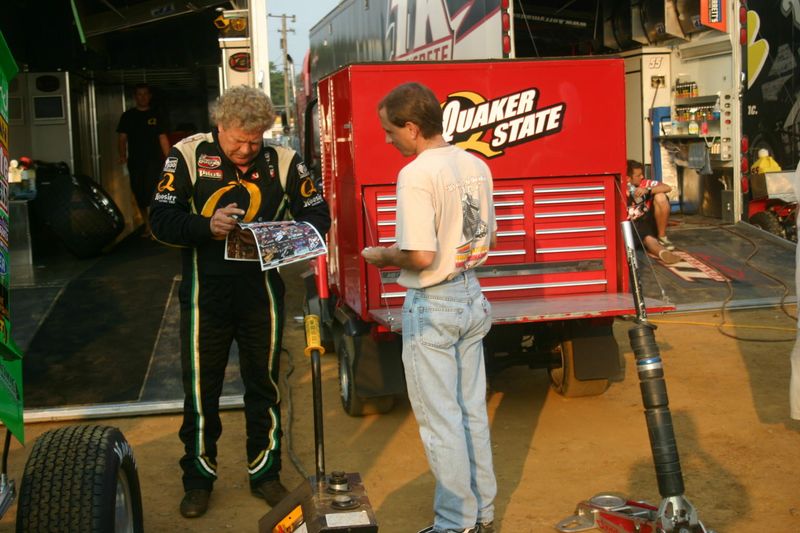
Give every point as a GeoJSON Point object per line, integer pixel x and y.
{"type": "Point", "coordinates": [80, 478]}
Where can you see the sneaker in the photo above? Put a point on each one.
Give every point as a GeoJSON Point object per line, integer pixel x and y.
{"type": "Point", "coordinates": [271, 490]}
{"type": "Point", "coordinates": [666, 243]}
{"type": "Point", "coordinates": [484, 527]}
{"type": "Point", "coordinates": [195, 503]}
{"type": "Point", "coordinates": [432, 529]}
{"type": "Point", "coordinates": [668, 257]}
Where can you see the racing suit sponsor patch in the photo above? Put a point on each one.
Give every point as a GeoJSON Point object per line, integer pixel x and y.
{"type": "Point", "coordinates": [165, 198]}
{"type": "Point", "coordinates": [316, 200]}
{"type": "Point", "coordinates": [210, 174]}
{"type": "Point", "coordinates": [166, 183]}
{"type": "Point", "coordinates": [209, 161]}
{"type": "Point", "coordinates": [171, 164]}
{"type": "Point", "coordinates": [268, 159]}
{"type": "Point", "coordinates": [307, 187]}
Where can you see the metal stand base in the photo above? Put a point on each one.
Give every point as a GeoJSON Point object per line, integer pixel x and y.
{"type": "Point", "coordinates": [612, 512]}
{"type": "Point", "coordinates": [338, 503]}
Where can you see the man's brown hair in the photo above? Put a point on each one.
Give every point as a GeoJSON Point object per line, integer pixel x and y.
{"type": "Point", "coordinates": [633, 164]}
{"type": "Point", "coordinates": [415, 103]}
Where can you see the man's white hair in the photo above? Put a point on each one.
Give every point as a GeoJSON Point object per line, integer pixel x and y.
{"type": "Point", "coordinates": [244, 107]}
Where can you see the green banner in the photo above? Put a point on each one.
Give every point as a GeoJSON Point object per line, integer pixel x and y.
{"type": "Point", "coordinates": [10, 355]}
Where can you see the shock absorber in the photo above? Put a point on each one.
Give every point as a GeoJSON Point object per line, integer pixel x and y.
{"type": "Point", "coordinates": [609, 511]}
{"type": "Point", "coordinates": [675, 512]}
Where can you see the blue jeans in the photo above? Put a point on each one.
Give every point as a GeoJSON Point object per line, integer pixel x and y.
{"type": "Point", "coordinates": [443, 330]}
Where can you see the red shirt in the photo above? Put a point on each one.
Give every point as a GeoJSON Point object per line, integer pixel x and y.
{"type": "Point", "coordinates": [635, 210]}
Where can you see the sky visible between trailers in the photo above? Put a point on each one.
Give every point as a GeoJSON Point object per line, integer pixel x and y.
{"type": "Point", "coordinates": [307, 13]}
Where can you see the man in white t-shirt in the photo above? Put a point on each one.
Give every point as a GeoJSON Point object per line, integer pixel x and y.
{"type": "Point", "coordinates": [445, 227]}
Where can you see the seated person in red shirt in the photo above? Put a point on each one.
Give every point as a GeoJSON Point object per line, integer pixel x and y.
{"type": "Point", "coordinates": [648, 209]}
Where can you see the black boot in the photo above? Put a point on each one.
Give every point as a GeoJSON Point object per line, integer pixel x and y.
{"type": "Point", "coordinates": [195, 503]}
{"type": "Point", "coordinates": [272, 491]}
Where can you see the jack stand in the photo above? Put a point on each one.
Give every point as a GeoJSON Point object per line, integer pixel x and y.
{"type": "Point", "coordinates": [610, 512]}
{"type": "Point", "coordinates": [323, 504]}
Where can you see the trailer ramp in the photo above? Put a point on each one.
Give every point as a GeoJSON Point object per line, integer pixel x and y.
{"type": "Point", "coordinates": [738, 265]}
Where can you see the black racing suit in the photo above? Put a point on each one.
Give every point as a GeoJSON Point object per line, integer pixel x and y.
{"type": "Point", "coordinates": [223, 300]}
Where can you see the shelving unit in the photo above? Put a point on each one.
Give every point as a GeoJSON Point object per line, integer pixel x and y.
{"type": "Point", "coordinates": [705, 118]}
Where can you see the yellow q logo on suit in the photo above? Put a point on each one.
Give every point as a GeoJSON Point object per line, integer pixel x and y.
{"type": "Point", "coordinates": [166, 183]}
{"type": "Point", "coordinates": [307, 188]}
{"type": "Point", "coordinates": [252, 191]}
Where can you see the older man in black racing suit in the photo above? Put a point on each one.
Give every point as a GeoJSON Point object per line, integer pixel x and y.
{"type": "Point", "coordinates": [209, 182]}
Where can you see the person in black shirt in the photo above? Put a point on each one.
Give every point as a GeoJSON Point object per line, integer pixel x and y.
{"type": "Point", "coordinates": [210, 182]}
{"type": "Point", "coordinates": [143, 144]}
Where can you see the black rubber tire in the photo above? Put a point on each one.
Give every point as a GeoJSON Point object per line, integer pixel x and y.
{"type": "Point", "coordinates": [563, 380]}
{"type": "Point", "coordinates": [353, 404]}
{"type": "Point", "coordinates": [768, 221]}
{"type": "Point", "coordinates": [78, 210]}
{"type": "Point", "coordinates": [80, 478]}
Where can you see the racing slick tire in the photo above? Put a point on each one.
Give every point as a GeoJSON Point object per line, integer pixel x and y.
{"type": "Point", "coordinates": [80, 213]}
{"type": "Point", "coordinates": [768, 221]}
{"type": "Point", "coordinates": [564, 381]}
{"type": "Point", "coordinates": [80, 478]}
{"type": "Point", "coordinates": [352, 402]}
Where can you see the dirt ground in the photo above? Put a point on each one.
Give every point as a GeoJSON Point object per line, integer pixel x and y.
{"type": "Point", "coordinates": [729, 402]}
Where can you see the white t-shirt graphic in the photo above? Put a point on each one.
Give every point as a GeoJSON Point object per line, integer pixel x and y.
{"type": "Point", "coordinates": [444, 205]}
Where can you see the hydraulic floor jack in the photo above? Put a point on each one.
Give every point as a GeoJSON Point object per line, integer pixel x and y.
{"type": "Point", "coordinates": [325, 503]}
{"type": "Point", "coordinates": [610, 512]}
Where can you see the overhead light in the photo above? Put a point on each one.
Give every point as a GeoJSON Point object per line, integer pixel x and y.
{"type": "Point", "coordinates": [700, 48]}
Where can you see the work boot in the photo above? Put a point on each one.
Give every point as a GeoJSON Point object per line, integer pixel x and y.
{"type": "Point", "coordinates": [272, 491]}
{"type": "Point", "coordinates": [195, 503]}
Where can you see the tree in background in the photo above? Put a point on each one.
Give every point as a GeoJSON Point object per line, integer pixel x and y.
{"type": "Point", "coordinates": [276, 86]}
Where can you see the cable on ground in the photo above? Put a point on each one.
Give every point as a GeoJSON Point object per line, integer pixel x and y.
{"type": "Point", "coordinates": [729, 297]}
{"type": "Point", "coordinates": [289, 414]}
